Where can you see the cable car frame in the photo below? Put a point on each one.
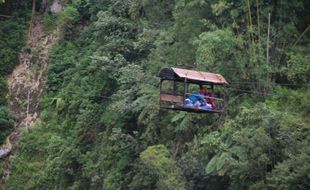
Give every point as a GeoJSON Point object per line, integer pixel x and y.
{"type": "Point", "coordinates": [175, 101]}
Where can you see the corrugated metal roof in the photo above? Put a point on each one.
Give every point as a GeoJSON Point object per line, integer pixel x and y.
{"type": "Point", "coordinates": [200, 76]}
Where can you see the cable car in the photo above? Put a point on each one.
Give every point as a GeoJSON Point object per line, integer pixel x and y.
{"type": "Point", "coordinates": [176, 85]}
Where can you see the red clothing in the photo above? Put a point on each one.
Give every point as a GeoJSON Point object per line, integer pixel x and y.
{"type": "Point", "coordinates": [209, 97]}
{"type": "Point", "coordinates": [210, 100]}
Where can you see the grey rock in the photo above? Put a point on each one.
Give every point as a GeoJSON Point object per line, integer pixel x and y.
{"type": "Point", "coordinates": [56, 7]}
{"type": "Point", "coordinates": [4, 152]}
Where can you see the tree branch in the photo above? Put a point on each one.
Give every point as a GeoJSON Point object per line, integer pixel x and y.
{"type": "Point", "coordinates": [302, 34]}
{"type": "Point", "coordinates": [6, 16]}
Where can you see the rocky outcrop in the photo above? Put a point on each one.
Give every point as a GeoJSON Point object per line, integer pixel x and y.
{"type": "Point", "coordinates": [56, 7]}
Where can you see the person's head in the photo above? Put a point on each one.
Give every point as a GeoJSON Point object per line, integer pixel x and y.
{"type": "Point", "coordinates": [204, 90]}
{"type": "Point", "coordinates": [195, 88]}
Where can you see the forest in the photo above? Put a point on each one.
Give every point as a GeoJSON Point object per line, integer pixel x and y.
{"type": "Point", "coordinates": [100, 125]}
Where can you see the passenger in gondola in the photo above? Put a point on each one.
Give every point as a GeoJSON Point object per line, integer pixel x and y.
{"type": "Point", "coordinates": [198, 99]}
{"type": "Point", "coordinates": [210, 100]}
{"type": "Point", "coordinates": [204, 92]}
{"type": "Point", "coordinates": [194, 100]}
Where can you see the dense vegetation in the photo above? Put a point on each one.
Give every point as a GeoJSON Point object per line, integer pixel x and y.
{"type": "Point", "coordinates": [12, 33]}
{"type": "Point", "coordinates": [101, 124]}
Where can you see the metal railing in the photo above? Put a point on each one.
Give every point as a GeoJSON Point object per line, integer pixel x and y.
{"type": "Point", "coordinates": [219, 102]}
{"type": "Point", "coordinates": [209, 97]}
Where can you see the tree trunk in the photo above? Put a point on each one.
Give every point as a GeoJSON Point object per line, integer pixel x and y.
{"type": "Point", "coordinates": [43, 6]}
{"type": "Point", "coordinates": [32, 16]}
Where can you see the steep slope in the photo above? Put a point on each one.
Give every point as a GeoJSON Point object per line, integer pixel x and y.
{"type": "Point", "coordinates": [26, 85]}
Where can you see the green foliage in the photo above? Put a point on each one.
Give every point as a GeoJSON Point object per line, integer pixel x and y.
{"type": "Point", "coordinates": [221, 51]}
{"type": "Point", "coordinates": [292, 173]}
{"type": "Point", "coordinates": [49, 22]}
{"type": "Point", "coordinates": [298, 65]}
{"type": "Point", "coordinates": [65, 19]}
{"type": "Point", "coordinates": [12, 33]}
{"type": "Point", "coordinates": [3, 90]}
{"type": "Point", "coordinates": [144, 178]}
{"type": "Point", "coordinates": [101, 124]}
{"type": "Point", "coordinates": [29, 161]}
{"type": "Point", "coordinates": [257, 139]}
{"type": "Point", "coordinates": [156, 12]}
{"type": "Point", "coordinates": [157, 158]}
{"type": "Point", "coordinates": [295, 101]}
{"type": "Point", "coordinates": [6, 123]}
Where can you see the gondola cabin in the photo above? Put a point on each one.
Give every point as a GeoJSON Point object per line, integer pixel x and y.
{"type": "Point", "coordinates": [191, 91]}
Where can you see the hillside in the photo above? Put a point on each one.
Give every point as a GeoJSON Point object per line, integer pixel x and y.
{"type": "Point", "coordinates": [79, 95]}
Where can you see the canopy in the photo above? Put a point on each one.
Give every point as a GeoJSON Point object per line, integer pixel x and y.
{"type": "Point", "coordinates": [193, 76]}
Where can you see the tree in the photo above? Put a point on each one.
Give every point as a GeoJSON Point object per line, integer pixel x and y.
{"type": "Point", "coordinates": [4, 91]}
{"type": "Point", "coordinates": [6, 123]}
{"type": "Point", "coordinates": [157, 158]}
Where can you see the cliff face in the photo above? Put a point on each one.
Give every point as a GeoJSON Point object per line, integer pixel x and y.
{"type": "Point", "coordinates": [26, 84]}
{"type": "Point", "coordinates": [26, 81]}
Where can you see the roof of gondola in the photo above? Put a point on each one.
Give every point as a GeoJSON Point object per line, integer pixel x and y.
{"type": "Point", "coordinates": [174, 73]}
